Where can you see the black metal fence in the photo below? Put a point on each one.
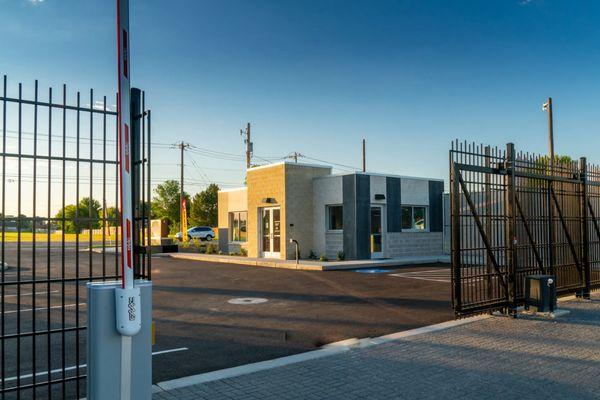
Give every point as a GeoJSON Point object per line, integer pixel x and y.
{"type": "Point", "coordinates": [59, 189]}
{"type": "Point", "coordinates": [518, 214]}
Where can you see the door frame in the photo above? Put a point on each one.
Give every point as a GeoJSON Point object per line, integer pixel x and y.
{"type": "Point", "coordinates": [269, 254]}
{"type": "Point", "coordinates": [379, 254]}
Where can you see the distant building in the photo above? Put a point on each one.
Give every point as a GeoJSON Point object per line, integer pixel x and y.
{"type": "Point", "coordinates": [363, 215]}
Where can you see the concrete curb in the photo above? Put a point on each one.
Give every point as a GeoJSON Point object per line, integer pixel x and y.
{"type": "Point", "coordinates": [308, 265]}
{"type": "Point", "coordinates": [325, 351]}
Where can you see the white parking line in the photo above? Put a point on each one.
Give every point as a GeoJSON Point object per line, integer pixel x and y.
{"type": "Point", "coordinates": [43, 308]}
{"type": "Point", "coordinates": [433, 275]}
{"type": "Point", "coordinates": [81, 366]}
{"type": "Point", "coordinates": [29, 293]}
{"type": "Point", "coordinates": [157, 353]}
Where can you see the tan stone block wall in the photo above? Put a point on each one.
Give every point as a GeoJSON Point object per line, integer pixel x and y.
{"type": "Point", "coordinates": [299, 207]}
{"type": "Point", "coordinates": [264, 183]}
{"type": "Point", "coordinates": [223, 210]}
{"type": "Point", "coordinates": [228, 201]}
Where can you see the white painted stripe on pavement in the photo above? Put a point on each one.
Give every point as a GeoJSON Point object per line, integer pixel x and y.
{"type": "Point", "coordinates": [81, 366]}
{"type": "Point", "coordinates": [156, 353]}
{"type": "Point", "coordinates": [29, 293]}
{"type": "Point", "coordinates": [432, 279]}
{"type": "Point", "coordinates": [44, 308]}
{"type": "Point", "coordinates": [327, 350]}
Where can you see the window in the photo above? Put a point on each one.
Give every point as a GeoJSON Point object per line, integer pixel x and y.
{"type": "Point", "coordinates": [414, 218]}
{"type": "Point", "coordinates": [237, 226]}
{"type": "Point", "coordinates": [335, 217]}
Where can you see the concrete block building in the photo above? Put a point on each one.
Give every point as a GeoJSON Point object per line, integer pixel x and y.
{"type": "Point", "coordinates": [354, 215]}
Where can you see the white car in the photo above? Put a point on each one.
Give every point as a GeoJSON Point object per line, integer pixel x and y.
{"type": "Point", "coordinates": [198, 232]}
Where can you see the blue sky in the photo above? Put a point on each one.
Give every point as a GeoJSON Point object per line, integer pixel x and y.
{"type": "Point", "coordinates": [318, 76]}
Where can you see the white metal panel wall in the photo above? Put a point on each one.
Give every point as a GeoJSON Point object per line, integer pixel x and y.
{"type": "Point", "coordinates": [327, 190]}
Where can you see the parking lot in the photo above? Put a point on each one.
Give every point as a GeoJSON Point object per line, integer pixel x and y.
{"type": "Point", "coordinates": [293, 311]}
{"type": "Point", "coordinates": [212, 316]}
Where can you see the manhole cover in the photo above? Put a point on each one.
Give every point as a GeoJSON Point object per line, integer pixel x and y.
{"type": "Point", "coordinates": [247, 300]}
{"type": "Point", "coordinates": [372, 271]}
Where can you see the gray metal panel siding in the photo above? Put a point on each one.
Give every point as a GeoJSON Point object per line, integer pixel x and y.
{"type": "Point", "coordinates": [394, 205]}
{"type": "Point", "coordinates": [349, 204]}
{"type": "Point", "coordinates": [436, 214]}
{"type": "Point", "coordinates": [363, 216]}
{"type": "Point", "coordinates": [224, 240]}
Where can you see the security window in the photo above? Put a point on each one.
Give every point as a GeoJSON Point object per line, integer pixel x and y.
{"type": "Point", "coordinates": [237, 226]}
{"type": "Point", "coordinates": [414, 218]}
{"type": "Point", "coordinates": [335, 217]}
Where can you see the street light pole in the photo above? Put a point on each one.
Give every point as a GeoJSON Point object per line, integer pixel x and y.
{"type": "Point", "coordinates": [551, 237]}
{"type": "Point", "coordinates": [548, 107]}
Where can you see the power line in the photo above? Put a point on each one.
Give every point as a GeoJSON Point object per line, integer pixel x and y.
{"type": "Point", "coordinates": [332, 163]}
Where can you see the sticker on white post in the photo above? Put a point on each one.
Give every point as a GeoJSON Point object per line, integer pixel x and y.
{"type": "Point", "coordinates": [127, 301]}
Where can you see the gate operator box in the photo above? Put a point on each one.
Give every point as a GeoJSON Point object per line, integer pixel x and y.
{"type": "Point", "coordinates": [104, 344]}
{"type": "Point", "coordinates": [540, 293]}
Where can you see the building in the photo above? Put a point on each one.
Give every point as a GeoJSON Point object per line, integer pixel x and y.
{"type": "Point", "coordinates": [353, 215]}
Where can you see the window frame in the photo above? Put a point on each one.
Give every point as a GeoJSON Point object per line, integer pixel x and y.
{"type": "Point", "coordinates": [412, 216]}
{"type": "Point", "coordinates": [328, 208]}
{"type": "Point", "coordinates": [231, 227]}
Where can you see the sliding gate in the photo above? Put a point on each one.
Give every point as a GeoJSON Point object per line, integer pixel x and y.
{"type": "Point", "coordinates": [516, 214]}
{"type": "Point", "coordinates": [59, 229]}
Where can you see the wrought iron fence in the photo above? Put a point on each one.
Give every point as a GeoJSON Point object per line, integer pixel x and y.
{"type": "Point", "coordinates": [59, 189]}
{"type": "Point", "coordinates": [517, 214]}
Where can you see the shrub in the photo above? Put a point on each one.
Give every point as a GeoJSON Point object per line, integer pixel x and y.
{"type": "Point", "coordinates": [244, 252]}
{"type": "Point", "coordinates": [323, 258]}
{"type": "Point", "coordinates": [312, 255]}
{"type": "Point", "coordinates": [202, 249]}
{"type": "Point", "coordinates": [341, 256]}
{"type": "Point", "coordinates": [211, 248]}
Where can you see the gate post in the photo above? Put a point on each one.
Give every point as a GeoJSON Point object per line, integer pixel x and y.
{"type": "Point", "coordinates": [583, 199]}
{"type": "Point", "coordinates": [136, 105]}
{"type": "Point", "coordinates": [511, 237]}
{"type": "Point", "coordinates": [455, 236]}
{"type": "Point", "coordinates": [488, 223]}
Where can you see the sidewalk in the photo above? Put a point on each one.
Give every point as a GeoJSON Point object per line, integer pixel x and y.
{"type": "Point", "coordinates": [309, 265]}
{"type": "Point", "coordinates": [496, 357]}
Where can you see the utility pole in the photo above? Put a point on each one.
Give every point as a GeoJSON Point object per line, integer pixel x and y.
{"type": "Point", "coordinates": [364, 156]}
{"type": "Point", "coordinates": [182, 147]}
{"type": "Point", "coordinates": [249, 145]}
{"type": "Point", "coordinates": [294, 156]}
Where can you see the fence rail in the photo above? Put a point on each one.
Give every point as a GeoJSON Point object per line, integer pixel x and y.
{"type": "Point", "coordinates": [518, 214]}
{"type": "Point", "coordinates": [59, 178]}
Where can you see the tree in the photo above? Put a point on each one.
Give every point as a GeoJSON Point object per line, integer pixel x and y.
{"type": "Point", "coordinates": [203, 210]}
{"type": "Point", "coordinates": [12, 223]}
{"type": "Point", "coordinates": [85, 215]}
{"type": "Point", "coordinates": [542, 166]}
{"type": "Point", "coordinates": [165, 205]}
{"type": "Point", "coordinates": [113, 217]}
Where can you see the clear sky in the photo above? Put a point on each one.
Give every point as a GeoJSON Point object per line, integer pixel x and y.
{"type": "Point", "coordinates": [318, 76]}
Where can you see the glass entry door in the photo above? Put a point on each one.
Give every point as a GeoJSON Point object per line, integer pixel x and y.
{"type": "Point", "coordinates": [376, 232]}
{"type": "Point", "coordinates": [271, 232]}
